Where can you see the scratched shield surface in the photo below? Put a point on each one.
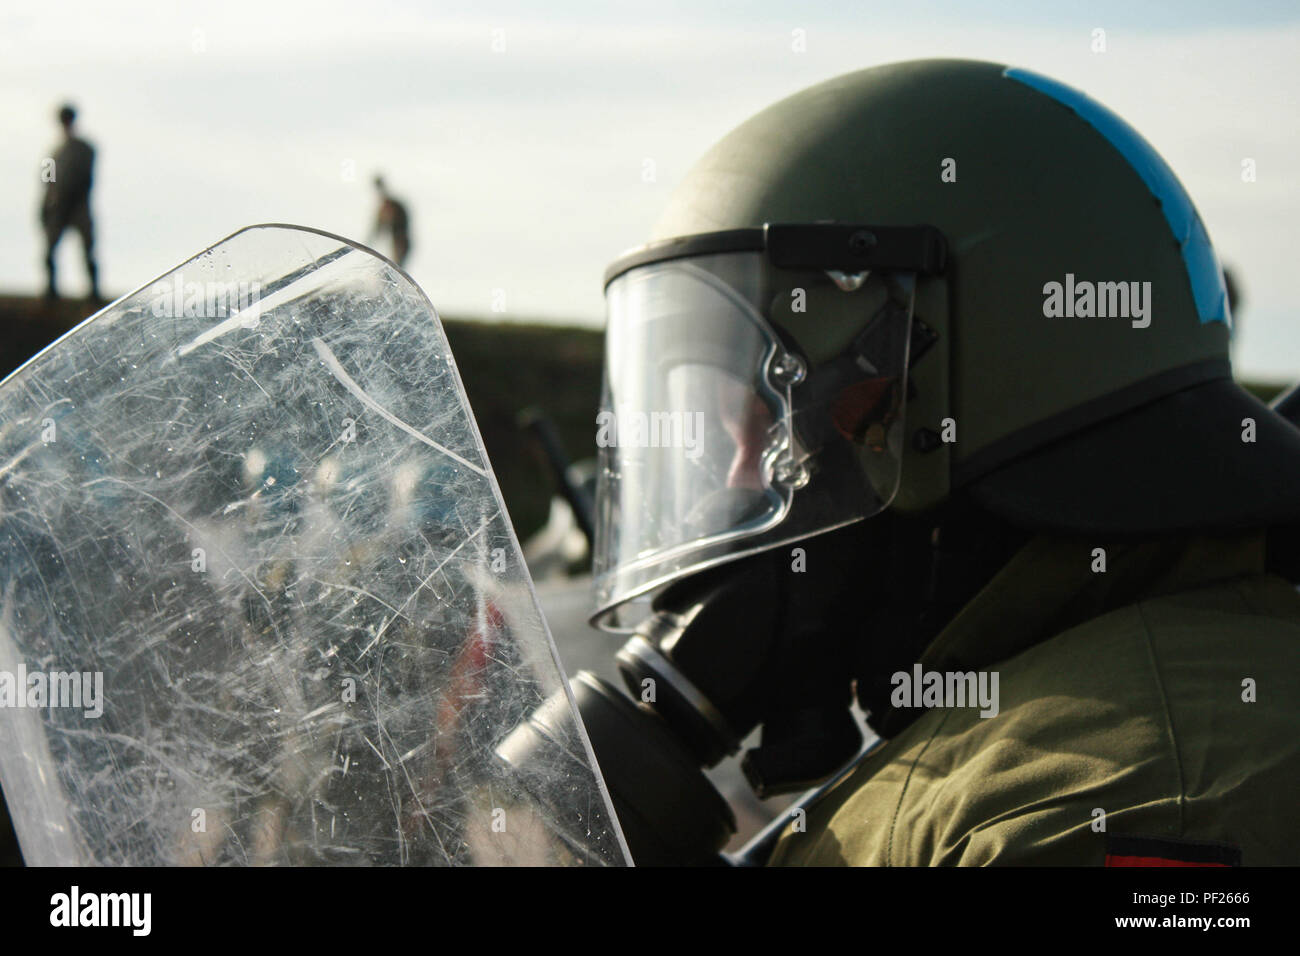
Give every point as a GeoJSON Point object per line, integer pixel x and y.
{"type": "Point", "coordinates": [249, 502]}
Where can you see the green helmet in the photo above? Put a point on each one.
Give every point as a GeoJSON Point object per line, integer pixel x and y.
{"type": "Point", "coordinates": [911, 283]}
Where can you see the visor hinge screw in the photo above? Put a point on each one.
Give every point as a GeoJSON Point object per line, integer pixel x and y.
{"type": "Point", "coordinates": [791, 473]}
{"type": "Point", "coordinates": [788, 369]}
{"type": "Point", "coordinates": [862, 242]}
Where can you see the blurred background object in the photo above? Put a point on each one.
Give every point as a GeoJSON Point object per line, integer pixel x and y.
{"type": "Point", "coordinates": [393, 222]}
{"type": "Point", "coordinates": [68, 175]}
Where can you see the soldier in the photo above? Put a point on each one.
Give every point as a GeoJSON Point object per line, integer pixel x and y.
{"type": "Point", "coordinates": [1045, 543]}
{"type": "Point", "coordinates": [67, 201]}
{"type": "Point", "coordinates": [392, 219]}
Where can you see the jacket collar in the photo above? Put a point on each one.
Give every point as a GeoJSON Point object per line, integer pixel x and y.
{"type": "Point", "coordinates": [1050, 585]}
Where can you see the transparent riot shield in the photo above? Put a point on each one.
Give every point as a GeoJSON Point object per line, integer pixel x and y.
{"type": "Point", "coordinates": [260, 601]}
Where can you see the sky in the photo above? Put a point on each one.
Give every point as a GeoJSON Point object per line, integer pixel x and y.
{"type": "Point", "coordinates": [520, 135]}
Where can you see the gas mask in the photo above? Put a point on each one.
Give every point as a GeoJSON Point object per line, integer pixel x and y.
{"type": "Point", "coordinates": [735, 475]}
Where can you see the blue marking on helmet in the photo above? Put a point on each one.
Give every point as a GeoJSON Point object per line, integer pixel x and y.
{"type": "Point", "coordinates": [1203, 271]}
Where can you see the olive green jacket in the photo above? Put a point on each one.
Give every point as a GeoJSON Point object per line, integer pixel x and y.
{"type": "Point", "coordinates": [1173, 714]}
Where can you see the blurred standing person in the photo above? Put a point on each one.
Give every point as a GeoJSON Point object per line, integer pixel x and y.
{"type": "Point", "coordinates": [67, 201]}
{"type": "Point", "coordinates": [394, 220]}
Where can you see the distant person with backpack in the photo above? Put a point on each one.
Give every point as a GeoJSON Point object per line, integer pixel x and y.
{"type": "Point", "coordinates": [67, 201]}
{"type": "Point", "coordinates": [392, 219]}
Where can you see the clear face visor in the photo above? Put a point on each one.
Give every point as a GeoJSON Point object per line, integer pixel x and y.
{"type": "Point", "coordinates": [717, 441]}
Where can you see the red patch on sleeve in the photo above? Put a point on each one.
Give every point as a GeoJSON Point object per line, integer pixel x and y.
{"type": "Point", "coordinates": [1152, 851]}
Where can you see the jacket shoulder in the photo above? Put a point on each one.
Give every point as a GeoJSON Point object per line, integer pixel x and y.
{"type": "Point", "coordinates": [1138, 722]}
